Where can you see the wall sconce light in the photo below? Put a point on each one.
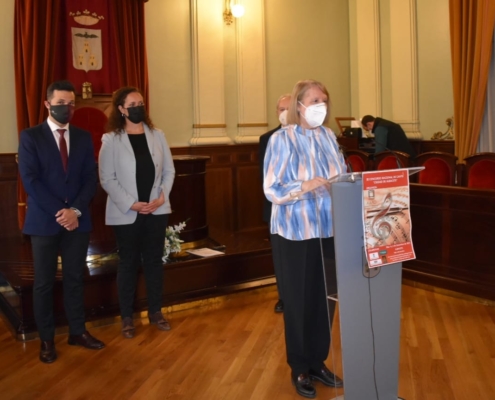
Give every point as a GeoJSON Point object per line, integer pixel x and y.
{"type": "Point", "coordinates": [231, 11]}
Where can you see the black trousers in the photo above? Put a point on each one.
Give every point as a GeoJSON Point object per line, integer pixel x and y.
{"type": "Point", "coordinates": [73, 249]}
{"type": "Point", "coordinates": [141, 243]}
{"type": "Point", "coordinates": [307, 313]}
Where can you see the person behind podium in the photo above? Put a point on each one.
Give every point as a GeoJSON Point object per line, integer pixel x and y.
{"type": "Point", "coordinates": [58, 170]}
{"type": "Point", "coordinates": [388, 135]}
{"type": "Point", "coordinates": [137, 172]}
{"type": "Point", "coordinates": [299, 160]}
{"type": "Point", "coordinates": [282, 109]}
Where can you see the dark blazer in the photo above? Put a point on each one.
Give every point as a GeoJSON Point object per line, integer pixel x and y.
{"type": "Point", "coordinates": [48, 187]}
{"type": "Point", "coordinates": [267, 205]}
{"type": "Point", "coordinates": [396, 137]}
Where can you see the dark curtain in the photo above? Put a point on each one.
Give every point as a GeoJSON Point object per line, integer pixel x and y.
{"type": "Point", "coordinates": [37, 49]}
{"type": "Point", "coordinates": [127, 20]}
{"type": "Point", "coordinates": [35, 34]}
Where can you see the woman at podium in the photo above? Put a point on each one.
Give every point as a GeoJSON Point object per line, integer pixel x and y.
{"type": "Point", "coordinates": [299, 160]}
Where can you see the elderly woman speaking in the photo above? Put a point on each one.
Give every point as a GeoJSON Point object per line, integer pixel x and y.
{"type": "Point", "coordinates": [300, 159]}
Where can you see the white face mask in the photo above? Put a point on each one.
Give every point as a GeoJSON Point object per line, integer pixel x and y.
{"type": "Point", "coordinates": [315, 114]}
{"type": "Point", "coordinates": [283, 117]}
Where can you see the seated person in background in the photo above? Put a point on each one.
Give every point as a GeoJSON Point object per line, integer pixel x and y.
{"type": "Point", "coordinates": [388, 135]}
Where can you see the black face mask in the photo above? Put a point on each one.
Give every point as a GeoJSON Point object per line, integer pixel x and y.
{"type": "Point", "coordinates": [136, 114]}
{"type": "Point", "coordinates": [62, 113]}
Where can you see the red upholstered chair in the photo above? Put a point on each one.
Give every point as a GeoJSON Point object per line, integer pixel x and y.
{"type": "Point", "coordinates": [93, 120]}
{"type": "Point", "coordinates": [479, 171]}
{"type": "Point", "coordinates": [358, 160]}
{"type": "Point", "coordinates": [388, 160]}
{"type": "Point", "coordinates": [440, 168]}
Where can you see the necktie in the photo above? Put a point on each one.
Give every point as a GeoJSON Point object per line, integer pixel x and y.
{"type": "Point", "coordinates": [63, 148]}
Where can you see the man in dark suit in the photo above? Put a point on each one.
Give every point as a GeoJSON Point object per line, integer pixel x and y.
{"type": "Point", "coordinates": [58, 171]}
{"type": "Point", "coordinates": [282, 108]}
{"type": "Point", "coordinates": [388, 135]}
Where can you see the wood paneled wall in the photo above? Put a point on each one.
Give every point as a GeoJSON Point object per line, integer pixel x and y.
{"type": "Point", "coordinates": [234, 194]}
{"type": "Point", "coordinates": [453, 227]}
{"type": "Point", "coordinates": [453, 230]}
{"type": "Point", "coordinates": [8, 195]}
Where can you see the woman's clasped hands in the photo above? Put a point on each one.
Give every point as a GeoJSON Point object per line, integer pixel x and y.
{"type": "Point", "coordinates": [148, 208]}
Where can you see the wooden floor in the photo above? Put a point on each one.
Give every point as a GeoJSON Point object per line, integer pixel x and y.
{"type": "Point", "coordinates": [233, 348]}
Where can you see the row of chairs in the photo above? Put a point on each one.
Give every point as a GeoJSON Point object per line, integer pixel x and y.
{"type": "Point", "coordinates": [440, 168]}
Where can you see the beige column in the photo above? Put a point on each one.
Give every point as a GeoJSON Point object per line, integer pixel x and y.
{"type": "Point", "coordinates": [209, 125]}
{"type": "Point", "coordinates": [404, 66]}
{"type": "Point", "coordinates": [251, 74]}
{"type": "Point", "coordinates": [384, 72]}
{"type": "Point", "coordinates": [365, 46]}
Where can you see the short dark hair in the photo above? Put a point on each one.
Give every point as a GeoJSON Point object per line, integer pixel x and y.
{"type": "Point", "coordinates": [366, 119]}
{"type": "Point", "coordinates": [66, 86]}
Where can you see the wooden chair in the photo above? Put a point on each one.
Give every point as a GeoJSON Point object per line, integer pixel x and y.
{"type": "Point", "coordinates": [344, 122]}
{"type": "Point", "coordinates": [391, 160]}
{"type": "Point", "coordinates": [440, 168]}
{"type": "Point", "coordinates": [358, 160]}
{"type": "Point", "coordinates": [479, 171]}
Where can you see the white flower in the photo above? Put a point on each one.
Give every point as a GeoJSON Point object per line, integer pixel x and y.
{"type": "Point", "coordinates": [172, 240]}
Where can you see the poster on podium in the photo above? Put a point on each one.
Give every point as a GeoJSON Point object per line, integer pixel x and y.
{"type": "Point", "coordinates": [386, 217]}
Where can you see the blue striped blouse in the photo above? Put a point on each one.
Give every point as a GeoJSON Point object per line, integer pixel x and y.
{"type": "Point", "coordinates": [295, 155]}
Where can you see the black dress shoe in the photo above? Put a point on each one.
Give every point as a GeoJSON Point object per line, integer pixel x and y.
{"type": "Point", "coordinates": [159, 320]}
{"type": "Point", "coordinates": [279, 307]}
{"type": "Point", "coordinates": [325, 376]}
{"type": "Point", "coordinates": [86, 340]}
{"type": "Point", "coordinates": [304, 386]}
{"type": "Point", "coordinates": [47, 352]}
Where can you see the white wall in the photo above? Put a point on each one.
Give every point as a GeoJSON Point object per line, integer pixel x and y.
{"type": "Point", "coordinates": [308, 40]}
{"type": "Point", "coordinates": [169, 68]}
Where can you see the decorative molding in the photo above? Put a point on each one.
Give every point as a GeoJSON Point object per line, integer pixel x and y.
{"type": "Point", "coordinates": [404, 66]}
{"type": "Point", "coordinates": [208, 72]}
{"type": "Point", "coordinates": [208, 126]}
{"type": "Point", "coordinates": [253, 125]}
{"type": "Point", "coordinates": [385, 45]}
{"type": "Point", "coordinates": [366, 68]}
{"type": "Point", "coordinates": [203, 140]}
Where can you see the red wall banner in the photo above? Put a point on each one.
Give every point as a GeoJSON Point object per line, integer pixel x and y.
{"type": "Point", "coordinates": [87, 46]}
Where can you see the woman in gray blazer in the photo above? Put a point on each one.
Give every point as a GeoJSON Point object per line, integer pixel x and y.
{"type": "Point", "coordinates": [137, 172]}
